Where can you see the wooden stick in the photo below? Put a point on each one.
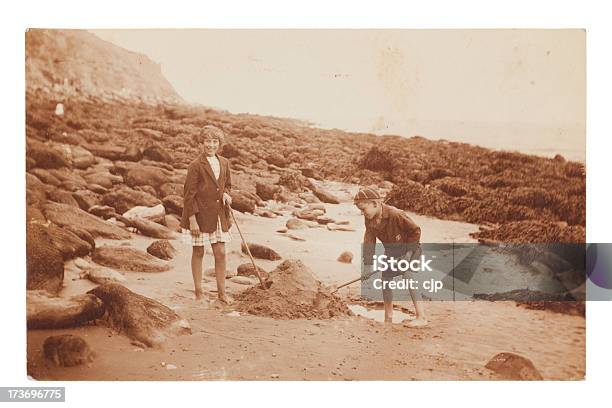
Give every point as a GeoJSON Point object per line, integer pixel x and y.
{"type": "Point", "coordinates": [248, 250]}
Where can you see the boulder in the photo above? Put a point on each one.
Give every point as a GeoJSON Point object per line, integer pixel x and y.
{"type": "Point", "coordinates": [139, 317]}
{"type": "Point", "coordinates": [35, 191]}
{"type": "Point", "coordinates": [345, 257]}
{"type": "Point", "coordinates": [84, 235]}
{"type": "Point", "coordinates": [67, 216]}
{"type": "Point", "coordinates": [155, 213]}
{"type": "Point", "coordinates": [167, 189]}
{"type": "Point", "coordinates": [128, 259]}
{"type": "Point", "coordinates": [108, 151]}
{"type": "Point", "coordinates": [102, 211]}
{"type": "Point", "coordinates": [165, 166]}
{"type": "Point", "coordinates": [277, 159]}
{"type": "Point", "coordinates": [81, 157]}
{"type": "Point", "coordinates": [124, 198]}
{"type": "Point", "coordinates": [322, 194]}
{"type": "Point", "coordinates": [68, 243]}
{"type": "Point", "coordinates": [132, 153]}
{"type": "Point", "coordinates": [86, 199]}
{"type": "Point", "coordinates": [243, 202]}
{"type": "Point", "coordinates": [30, 163]}
{"type": "Point", "coordinates": [146, 176]}
{"type": "Point", "coordinates": [62, 197]}
{"type": "Point", "coordinates": [98, 189]}
{"type": "Point", "coordinates": [46, 312]}
{"type": "Point", "coordinates": [228, 150]}
{"type": "Point", "coordinates": [101, 275]}
{"type": "Point", "coordinates": [247, 269]}
{"type": "Point", "coordinates": [309, 172]}
{"type": "Point", "coordinates": [34, 215]}
{"type": "Point", "coordinates": [46, 157]}
{"type": "Point", "coordinates": [152, 229]}
{"type": "Point", "coordinates": [44, 262]}
{"type": "Point", "coordinates": [162, 249]}
{"type": "Point", "coordinates": [295, 223]}
{"type": "Point", "coordinates": [309, 197]}
{"type": "Point", "coordinates": [173, 204]}
{"type": "Point", "coordinates": [261, 251]}
{"type": "Point", "coordinates": [70, 182]}
{"type": "Point", "coordinates": [67, 350]}
{"type": "Point", "coordinates": [101, 178]}
{"type": "Point", "coordinates": [267, 191]}
{"type": "Point", "coordinates": [157, 153]}
{"type": "Point", "coordinates": [147, 189]}
{"type": "Point", "coordinates": [172, 223]}
{"type": "Point", "coordinates": [46, 176]}
{"type": "Point", "coordinates": [510, 366]}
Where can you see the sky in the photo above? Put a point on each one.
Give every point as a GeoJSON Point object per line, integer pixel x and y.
{"type": "Point", "coordinates": [447, 83]}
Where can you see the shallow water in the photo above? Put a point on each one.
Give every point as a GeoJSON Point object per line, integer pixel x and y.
{"type": "Point", "coordinates": [378, 314]}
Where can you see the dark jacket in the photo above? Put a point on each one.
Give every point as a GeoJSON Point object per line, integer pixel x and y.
{"type": "Point", "coordinates": [397, 232]}
{"type": "Point", "coordinates": [203, 195]}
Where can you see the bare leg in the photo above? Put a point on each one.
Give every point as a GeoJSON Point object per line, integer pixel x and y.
{"type": "Point", "coordinates": [421, 318]}
{"type": "Point", "coordinates": [220, 266]}
{"type": "Point", "coordinates": [418, 304]}
{"type": "Point", "coordinates": [196, 269]}
{"type": "Point", "coordinates": [388, 302]}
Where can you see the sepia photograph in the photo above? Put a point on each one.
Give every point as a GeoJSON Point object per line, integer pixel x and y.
{"type": "Point", "coordinates": [305, 204]}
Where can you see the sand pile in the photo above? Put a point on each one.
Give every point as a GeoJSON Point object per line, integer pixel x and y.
{"type": "Point", "coordinates": [295, 293]}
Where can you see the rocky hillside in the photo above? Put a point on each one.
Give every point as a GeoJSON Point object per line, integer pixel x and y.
{"type": "Point", "coordinates": [78, 63]}
{"type": "Point", "coordinates": [104, 153]}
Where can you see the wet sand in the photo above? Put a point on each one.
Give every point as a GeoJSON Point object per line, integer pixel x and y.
{"type": "Point", "coordinates": [461, 338]}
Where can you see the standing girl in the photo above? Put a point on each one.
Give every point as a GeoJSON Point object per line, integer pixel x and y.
{"type": "Point", "coordinates": [206, 216]}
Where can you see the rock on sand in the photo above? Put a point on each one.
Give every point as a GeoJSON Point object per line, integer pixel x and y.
{"type": "Point", "coordinates": [139, 317]}
{"type": "Point", "coordinates": [67, 350]}
{"type": "Point", "coordinates": [510, 366]}
{"type": "Point", "coordinates": [46, 312]}
{"type": "Point", "coordinates": [128, 259]}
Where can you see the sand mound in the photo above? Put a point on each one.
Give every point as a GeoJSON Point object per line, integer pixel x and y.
{"type": "Point", "coordinates": [295, 293]}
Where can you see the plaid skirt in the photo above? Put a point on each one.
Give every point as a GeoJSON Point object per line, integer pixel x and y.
{"type": "Point", "coordinates": [207, 237]}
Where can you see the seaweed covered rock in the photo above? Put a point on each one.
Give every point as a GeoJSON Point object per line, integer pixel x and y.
{"type": "Point", "coordinates": [44, 262]}
{"type": "Point", "coordinates": [260, 251]}
{"type": "Point", "coordinates": [511, 366]}
{"type": "Point", "coordinates": [125, 198]}
{"type": "Point", "coordinates": [128, 259]}
{"type": "Point", "coordinates": [48, 312]}
{"type": "Point", "coordinates": [67, 350]}
{"type": "Point", "coordinates": [68, 216]}
{"type": "Point", "coordinates": [139, 317]}
{"type": "Point", "coordinates": [162, 249]}
{"type": "Point", "coordinates": [535, 232]}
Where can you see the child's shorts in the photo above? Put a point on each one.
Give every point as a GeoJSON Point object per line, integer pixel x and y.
{"type": "Point", "coordinates": [207, 237]}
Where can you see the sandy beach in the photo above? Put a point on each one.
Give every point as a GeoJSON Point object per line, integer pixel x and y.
{"type": "Point", "coordinates": [227, 345]}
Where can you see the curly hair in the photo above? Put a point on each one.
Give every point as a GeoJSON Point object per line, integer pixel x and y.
{"type": "Point", "coordinates": [211, 132]}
